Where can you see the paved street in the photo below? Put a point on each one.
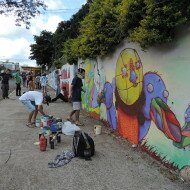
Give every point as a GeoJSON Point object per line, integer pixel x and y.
{"type": "Point", "coordinates": [115, 166]}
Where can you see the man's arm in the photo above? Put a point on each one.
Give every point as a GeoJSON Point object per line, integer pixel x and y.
{"type": "Point", "coordinates": [40, 109]}
{"type": "Point", "coordinates": [70, 91]}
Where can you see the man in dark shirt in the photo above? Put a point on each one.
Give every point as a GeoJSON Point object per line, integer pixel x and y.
{"type": "Point", "coordinates": [75, 96]}
{"type": "Point", "coordinates": [5, 83]}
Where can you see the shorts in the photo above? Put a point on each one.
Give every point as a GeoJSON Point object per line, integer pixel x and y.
{"type": "Point", "coordinates": [76, 105]}
{"type": "Point", "coordinates": [30, 105]}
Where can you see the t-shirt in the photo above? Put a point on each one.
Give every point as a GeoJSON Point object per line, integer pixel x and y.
{"type": "Point", "coordinates": [34, 96]}
{"type": "Point", "coordinates": [18, 78]}
{"type": "Point", "coordinates": [43, 80]}
{"type": "Point", "coordinates": [37, 79]}
{"type": "Point", "coordinates": [77, 88]}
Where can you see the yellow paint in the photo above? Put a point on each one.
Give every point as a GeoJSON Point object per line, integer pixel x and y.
{"type": "Point", "coordinates": [128, 92]}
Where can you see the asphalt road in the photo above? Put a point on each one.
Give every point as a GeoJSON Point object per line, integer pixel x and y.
{"type": "Point", "coordinates": [115, 165]}
{"type": "Point", "coordinates": [12, 87]}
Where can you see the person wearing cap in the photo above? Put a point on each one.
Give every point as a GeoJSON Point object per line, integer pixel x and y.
{"type": "Point", "coordinates": [33, 101]}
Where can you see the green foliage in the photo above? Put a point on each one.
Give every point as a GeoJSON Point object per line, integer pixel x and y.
{"type": "Point", "coordinates": [159, 22]}
{"type": "Point", "coordinates": [108, 22]}
{"type": "Point", "coordinates": [70, 51]}
{"type": "Point", "coordinates": [42, 51]}
{"type": "Point", "coordinates": [57, 63]}
{"type": "Point", "coordinates": [100, 30]}
{"type": "Point", "coordinates": [68, 30]}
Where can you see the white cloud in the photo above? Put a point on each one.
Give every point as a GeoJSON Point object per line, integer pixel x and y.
{"type": "Point", "coordinates": [52, 4]}
{"type": "Point", "coordinates": [52, 23]}
{"type": "Point", "coordinates": [13, 48]}
{"type": "Point", "coordinates": [42, 23]}
{"type": "Point", "coordinates": [15, 41]}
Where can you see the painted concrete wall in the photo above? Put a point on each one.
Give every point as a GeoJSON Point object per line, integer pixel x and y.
{"type": "Point", "coordinates": [145, 96]}
{"type": "Point", "coordinates": [67, 73]}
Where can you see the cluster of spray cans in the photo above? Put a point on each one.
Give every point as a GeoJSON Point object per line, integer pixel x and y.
{"type": "Point", "coordinates": [51, 129]}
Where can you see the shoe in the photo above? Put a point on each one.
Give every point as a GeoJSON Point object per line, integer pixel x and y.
{"type": "Point", "coordinates": [30, 125]}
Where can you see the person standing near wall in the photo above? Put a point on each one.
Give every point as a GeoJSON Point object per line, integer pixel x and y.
{"type": "Point", "coordinates": [5, 75]}
{"type": "Point", "coordinates": [43, 82]}
{"type": "Point", "coordinates": [75, 96]}
{"type": "Point", "coordinates": [57, 82]}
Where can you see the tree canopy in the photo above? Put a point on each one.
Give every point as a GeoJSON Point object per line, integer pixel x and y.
{"type": "Point", "coordinates": [147, 22]}
{"type": "Point", "coordinates": [99, 26]}
{"type": "Point", "coordinates": [22, 10]}
{"type": "Point", "coordinates": [43, 50]}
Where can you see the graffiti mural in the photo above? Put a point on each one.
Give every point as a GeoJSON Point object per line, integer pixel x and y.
{"type": "Point", "coordinates": [129, 93]}
{"type": "Point", "coordinates": [67, 73]}
{"type": "Point", "coordinates": [135, 103]}
{"type": "Point", "coordinates": [93, 85]}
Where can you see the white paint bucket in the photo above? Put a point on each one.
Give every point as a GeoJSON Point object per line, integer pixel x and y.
{"type": "Point", "coordinates": [97, 129]}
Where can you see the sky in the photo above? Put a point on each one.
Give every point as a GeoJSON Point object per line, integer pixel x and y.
{"type": "Point", "coordinates": [15, 41]}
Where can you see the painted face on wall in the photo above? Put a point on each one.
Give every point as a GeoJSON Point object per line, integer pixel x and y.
{"type": "Point", "coordinates": [129, 75]}
{"type": "Point", "coordinates": [187, 114]}
{"type": "Point", "coordinates": [108, 91]}
{"type": "Point", "coordinates": [156, 107]}
{"type": "Point", "coordinates": [154, 87]}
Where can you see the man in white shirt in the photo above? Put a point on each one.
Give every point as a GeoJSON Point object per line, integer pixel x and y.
{"type": "Point", "coordinates": [33, 100]}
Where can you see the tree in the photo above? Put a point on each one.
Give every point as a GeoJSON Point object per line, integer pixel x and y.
{"type": "Point", "coordinates": [147, 22]}
{"type": "Point", "coordinates": [159, 22]}
{"type": "Point", "coordinates": [100, 31]}
{"type": "Point", "coordinates": [43, 51]}
{"type": "Point", "coordinates": [23, 10]}
{"type": "Point", "coordinates": [68, 30]}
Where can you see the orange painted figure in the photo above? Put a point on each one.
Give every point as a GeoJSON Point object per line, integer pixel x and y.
{"type": "Point", "coordinates": [129, 94]}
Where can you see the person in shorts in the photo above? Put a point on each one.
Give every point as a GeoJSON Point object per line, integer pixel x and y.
{"type": "Point", "coordinates": [43, 82]}
{"type": "Point", "coordinates": [75, 96]}
{"type": "Point", "coordinates": [33, 101]}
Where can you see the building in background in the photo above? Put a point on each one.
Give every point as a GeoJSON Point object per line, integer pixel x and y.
{"type": "Point", "coordinates": [35, 70]}
{"type": "Point", "coordinates": [12, 66]}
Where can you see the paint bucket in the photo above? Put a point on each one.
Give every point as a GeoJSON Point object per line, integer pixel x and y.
{"type": "Point", "coordinates": [97, 129]}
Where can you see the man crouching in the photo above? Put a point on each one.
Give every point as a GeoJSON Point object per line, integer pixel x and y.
{"type": "Point", "coordinates": [33, 100]}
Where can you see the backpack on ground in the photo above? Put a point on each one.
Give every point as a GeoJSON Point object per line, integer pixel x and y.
{"type": "Point", "coordinates": [83, 145]}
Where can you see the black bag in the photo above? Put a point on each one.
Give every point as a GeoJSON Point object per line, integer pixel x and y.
{"type": "Point", "coordinates": [83, 145]}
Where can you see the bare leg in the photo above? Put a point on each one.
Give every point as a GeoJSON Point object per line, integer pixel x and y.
{"type": "Point", "coordinates": [30, 116]}
{"type": "Point", "coordinates": [34, 116]}
{"type": "Point", "coordinates": [72, 113]}
{"type": "Point", "coordinates": [77, 115]}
